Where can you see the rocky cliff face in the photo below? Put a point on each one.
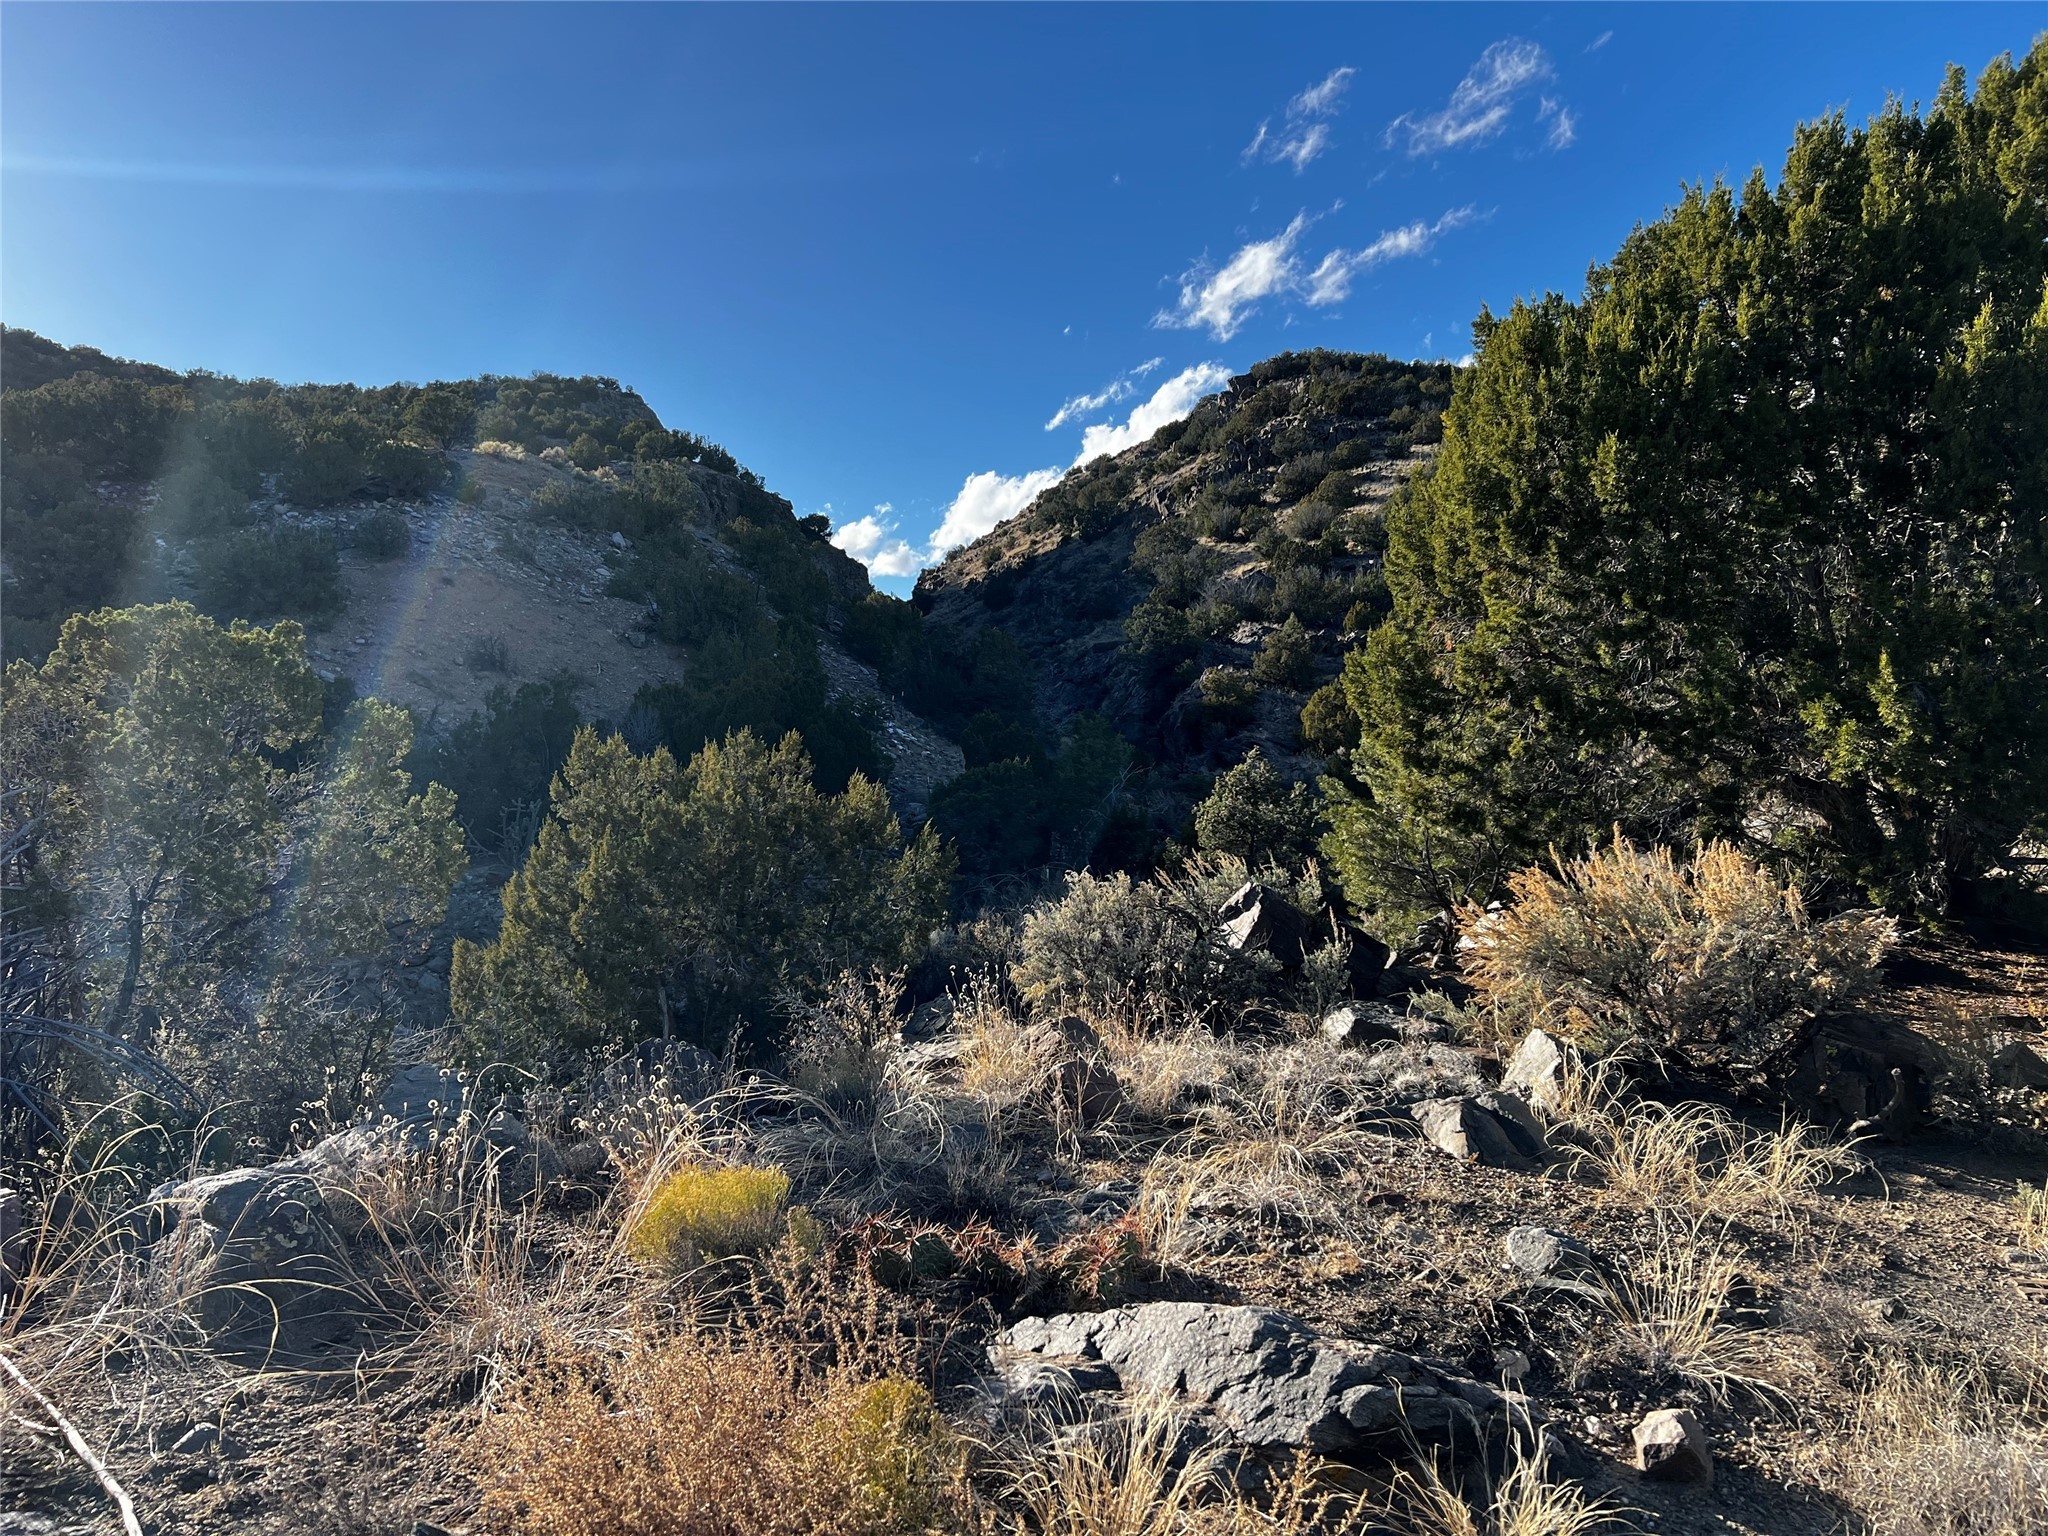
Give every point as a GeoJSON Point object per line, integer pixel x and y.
{"type": "Point", "coordinates": [1154, 587]}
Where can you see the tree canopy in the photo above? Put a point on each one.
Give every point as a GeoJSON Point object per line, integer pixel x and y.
{"type": "Point", "coordinates": [685, 897]}
{"type": "Point", "coordinates": [1748, 540]}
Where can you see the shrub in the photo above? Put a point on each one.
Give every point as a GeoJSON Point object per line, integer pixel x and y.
{"type": "Point", "coordinates": [268, 573]}
{"type": "Point", "coordinates": [383, 535]}
{"type": "Point", "coordinates": [1253, 815]}
{"type": "Point", "coordinates": [699, 1213]}
{"type": "Point", "coordinates": [694, 1438]}
{"type": "Point", "coordinates": [1714, 963]}
{"type": "Point", "coordinates": [1285, 660]}
{"type": "Point", "coordinates": [487, 653]}
{"type": "Point", "coordinates": [1139, 950]}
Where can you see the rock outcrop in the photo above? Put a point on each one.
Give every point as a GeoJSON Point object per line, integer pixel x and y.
{"type": "Point", "coordinates": [1263, 1378]}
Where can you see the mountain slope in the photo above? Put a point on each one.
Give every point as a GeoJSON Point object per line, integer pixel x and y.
{"type": "Point", "coordinates": [1198, 588]}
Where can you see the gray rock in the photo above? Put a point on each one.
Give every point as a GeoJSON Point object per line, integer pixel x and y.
{"type": "Point", "coordinates": [207, 1440]}
{"type": "Point", "coordinates": [1265, 1377]}
{"type": "Point", "coordinates": [423, 1093]}
{"type": "Point", "coordinates": [1539, 1252]}
{"type": "Point", "coordinates": [1087, 1092]}
{"type": "Point", "coordinates": [1469, 1132]}
{"type": "Point", "coordinates": [253, 1257]}
{"type": "Point", "coordinates": [1361, 1024]}
{"type": "Point", "coordinates": [1538, 1069]}
{"type": "Point", "coordinates": [1671, 1447]}
{"type": "Point", "coordinates": [1512, 1111]}
{"type": "Point", "coordinates": [2019, 1065]}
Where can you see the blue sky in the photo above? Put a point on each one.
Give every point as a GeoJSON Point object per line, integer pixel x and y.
{"type": "Point", "coordinates": [906, 262]}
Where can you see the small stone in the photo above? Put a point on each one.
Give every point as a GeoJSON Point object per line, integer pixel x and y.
{"type": "Point", "coordinates": [1671, 1447]}
{"type": "Point", "coordinates": [1538, 1069]}
{"type": "Point", "coordinates": [1465, 1129]}
{"type": "Point", "coordinates": [1360, 1024]}
{"type": "Point", "coordinates": [1538, 1251]}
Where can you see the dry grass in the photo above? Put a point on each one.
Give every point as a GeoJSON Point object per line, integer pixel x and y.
{"type": "Point", "coordinates": [1523, 1501]}
{"type": "Point", "coordinates": [1946, 1449]}
{"type": "Point", "coordinates": [2030, 1216]}
{"type": "Point", "coordinates": [1144, 1473]}
{"type": "Point", "coordinates": [1274, 1150]}
{"type": "Point", "coordinates": [1714, 961]}
{"type": "Point", "coordinates": [1674, 1307]}
{"type": "Point", "coordinates": [1693, 1157]}
{"type": "Point", "coordinates": [703, 1436]}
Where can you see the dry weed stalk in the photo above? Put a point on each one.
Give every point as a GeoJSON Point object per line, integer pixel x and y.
{"type": "Point", "coordinates": [2030, 1212]}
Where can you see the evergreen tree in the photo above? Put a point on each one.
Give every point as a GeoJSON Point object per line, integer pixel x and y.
{"type": "Point", "coordinates": [1748, 541]}
{"type": "Point", "coordinates": [670, 897]}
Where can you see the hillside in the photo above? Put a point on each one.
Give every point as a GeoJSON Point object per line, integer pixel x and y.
{"type": "Point", "coordinates": [1196, 590]}
{"type": "Point", "coordinates": [442, 542]}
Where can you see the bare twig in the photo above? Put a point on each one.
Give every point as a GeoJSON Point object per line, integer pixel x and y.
{"type": "Point", "coordinates": [77, 1443]}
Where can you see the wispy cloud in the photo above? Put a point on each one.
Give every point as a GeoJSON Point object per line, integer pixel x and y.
{"type": "Point", "coordinates": [869, 540]}
{"type": "Point", "coordinates": [1173, 399]}
{"type": "Point", "coordinates": [1564, 123]}
{"type": "Point", "coordinates": [1221, 300]}
{"type": "Point", "coordinates": [1302, 134]}
{"type": "Point", "coordinates": [1601, 41]}
{"type": "Point", "coordinates": [1479, 108]}
{"type": "Point", "coordinates": [1117, 390]}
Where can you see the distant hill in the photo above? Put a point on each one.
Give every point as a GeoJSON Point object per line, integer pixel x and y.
{"type": "Point", "coordinates": [1197, 590]}
{"type": "Point", "coordinates": [503, 556]}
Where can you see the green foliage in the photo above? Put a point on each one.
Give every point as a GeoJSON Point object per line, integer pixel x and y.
{"type": "Point", "coordinates": [1012, 814]}
{"type": "Point", "coordinates": [405, 470]}
{"type": "Point", "coordinates": [189, 834]}
{"type": "Point", "coordinates": [699, 1213]}
{"type": "Point", "coordinates": [1253, 815]}
{"type": "Point", "coordinates": [1285, 660]}
{"type": "Point", "coordinates": [327, 466]}
{"type": "Point", "coordinates": [766, 677]}
{"type": "Point", "coordinates": [262, 573]}
{"type": "Point", "coordinates": [500, 761]}
{"type": "Point", "coordinates": [381, 535]}
{"type": "Point", "coordinates": [690, 896]}
{"type": "Point", "coordinates": [1748, 541]}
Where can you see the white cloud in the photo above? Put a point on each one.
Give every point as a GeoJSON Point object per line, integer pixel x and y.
{"type": "Point", "coordinates": [868, 540]}
{"type": "Point", "coordinates": [1600, 42]}
{"type": "Point", "coordinates": [985, 500]}
{"type": "Point", "coordinates": [1479, 107]}
{"type": "Point", "coordinates": [1172, 400]}
{"type": "Point", "coordinates": [1301, 137]}
{"type": "Point", "coordinates": [1114, 392]}
{"type": "Point", "coordinates": [1564, 123]}
{"type": "Point", "coordinates": [1321, 99]}
{"type": "Point", "coordinates": [1223, 300]}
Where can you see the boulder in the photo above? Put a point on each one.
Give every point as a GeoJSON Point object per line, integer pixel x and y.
{"type": "Point", "coordinates": [1361, 1024]}
{"type": "Point", "coordinates": [1538, 1071]}
{"type": "Point", "coordinates": [1368, 962]}
{"type": "Point", "coordinates": [1086, 1091]}
{"type": "Point", "coordinates": [1464, 1128]}
{"type": "Point", "coordinates": [253, 1257]}
{"type": "Point", "coordinates": [2019, 1065]}
{"type": "Point", "coordinates": [1255, 917]}
{"type": "Point", "coordinates": [1512, 1111]}
{"type": "Point", "coordinates": [1269, 1382]}
{"type": "Point", "coordinates": [1671, 1447]}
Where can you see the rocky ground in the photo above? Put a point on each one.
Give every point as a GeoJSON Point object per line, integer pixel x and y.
{"type": "Point", "coordinates": [1278, 1233]}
